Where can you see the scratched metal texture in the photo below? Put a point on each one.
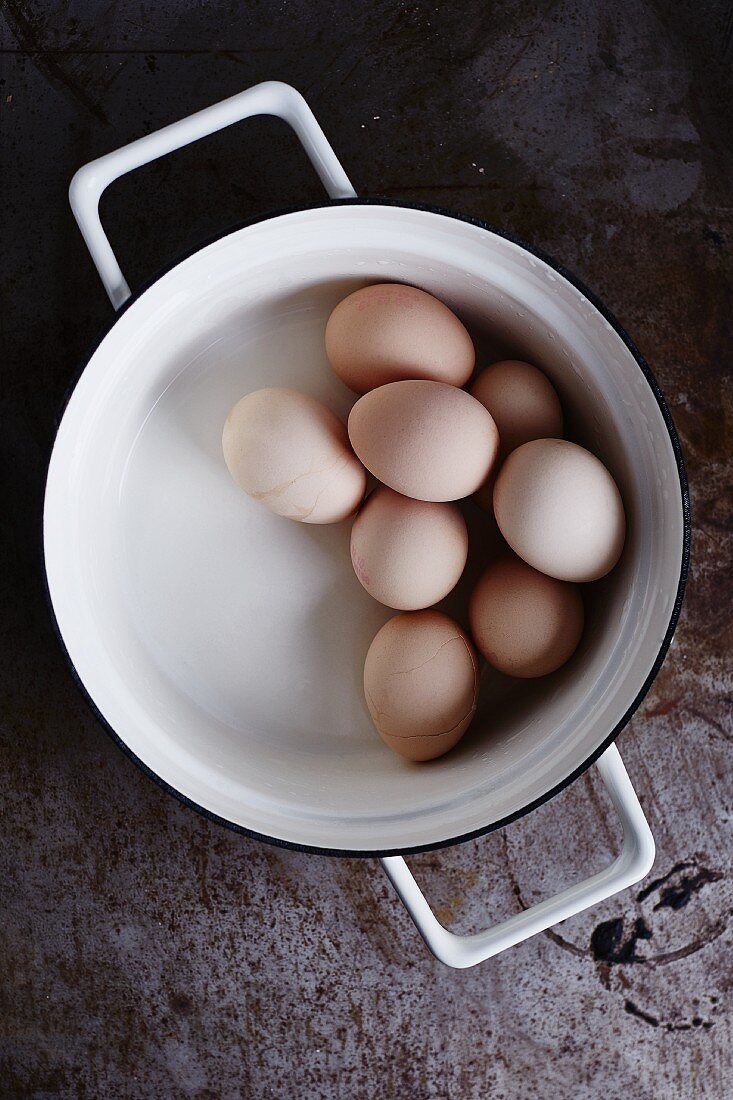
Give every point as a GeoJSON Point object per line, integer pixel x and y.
{"type": "Point", "coordinates": [149, 953]}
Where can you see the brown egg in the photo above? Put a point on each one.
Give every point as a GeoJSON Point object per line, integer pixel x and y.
{"type": "Point", "coordinates": [521, 400]}
{"type": "Point", "coordinates": [407, 553]}
{"type": "Point", "coordinates": [524, 623]}
{"type": "Point", "coordinates": [560, 510]}
{"type": "Point", "coordinates": [426, 440]}
{"type": "Point", "coordinates": [290, 452]}
{"type": "Point", "coordinates": [421, 684]}
{"type": "Point", "coordinates": [524, 406]}
{"type": "Point", "coordinates": [388, 332]}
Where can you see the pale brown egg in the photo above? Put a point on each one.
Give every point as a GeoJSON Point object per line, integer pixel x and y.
{"type": "Point", "coordinates": [525, 624]}
{"type": "Point", "coordinates": [388, 332]}
{"type": "Point", "coordinates": [522, 401]}
{"type": "Point", "coordinates": [408, 554]}
{"type": "Point", "coordinates": [290, 452]}
{"type": "Point", "coordinates": [421, 684]}
{"type": "Point", "coordinates": [426, 440]}
{"type": "Point", "coordinates": [524, 406]}
{"type": "Point", "coordinates": [560, 510]}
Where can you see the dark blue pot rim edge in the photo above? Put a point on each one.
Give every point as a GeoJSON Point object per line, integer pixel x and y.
{"type": "Point", "coordinates": [676, 609]}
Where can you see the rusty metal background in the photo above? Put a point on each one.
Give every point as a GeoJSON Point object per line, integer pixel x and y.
{"type": "Point", "coordinates": [149, 953]}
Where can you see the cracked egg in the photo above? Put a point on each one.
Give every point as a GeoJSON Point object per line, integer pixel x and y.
{"type": "Point", "coordinates": [290, 452]}
{"type": "Point", "coordinates": [421, 684]}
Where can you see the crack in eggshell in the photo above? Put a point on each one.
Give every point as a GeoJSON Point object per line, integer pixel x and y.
{"type": "Point", "coordinates": [323, 488]}
{"type": "Point", "coordinates": [378, 713]}
{"type": "Point", "coordinates": [277, 490]}
{"type": "Point", "coordinates": [375, 711]}
{"type": "Point", "coordinates": [472, 657]}
{"type": "Point", "coordinates": [428, 736]}
{"type": "Point", "coordinates": [406, 671]}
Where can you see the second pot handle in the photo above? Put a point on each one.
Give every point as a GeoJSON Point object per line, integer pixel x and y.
{"type": "Point", "coordinates": [633, 863]}
{"type": "Point", "coordinates": [269, 98]}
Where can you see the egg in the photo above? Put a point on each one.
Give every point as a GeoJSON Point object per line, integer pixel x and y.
{"type": "Point", "coordinates": [524, 623]}
{"type": "Point", "coordinates": [560, 510]}
{"type": "Point", "coordinates": [421, 684]}
{"type": "Point", "coordinates": [290, 452]}
{"type": "Point", "coordinates": [524, 406]}
{"type": "Point", "coordinates": [408, 554]}
{"type": "Point", "coordinates": [522, 401]}
{"type": "Point", "coordinates": [388, 332]}
{"type": "Point", "coordinates": [426, 440]}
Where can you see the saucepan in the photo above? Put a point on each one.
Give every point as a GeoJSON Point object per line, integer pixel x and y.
{"type": "Point", "coordinates": [223, 646]}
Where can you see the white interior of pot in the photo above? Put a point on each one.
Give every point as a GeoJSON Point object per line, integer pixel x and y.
{"type": "Point", "coordinates": [225, 645]}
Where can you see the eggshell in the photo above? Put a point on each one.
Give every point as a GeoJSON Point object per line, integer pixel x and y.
{"type": "Point", "coordinates": [524, 406]}
{"type": "Point", "coordinates": [290, 452]}
{"type": "Point", "coordinates": [560, 510]}
{"type": "Point", "coordinates": [408, 553]}
{"type": "Point", "coordinates": [426, 440]}
{"type": "Point", "coordinates": [524, 623]}
{"type": "Point", "coordinates": [521, 400]}
{"type": "Point", "coordinates": [388, 332]}
{"type": "Point", "coordinates": [421, 684]}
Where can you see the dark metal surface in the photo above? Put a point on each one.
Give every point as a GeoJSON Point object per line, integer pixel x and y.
{"type": "Point", "coordinates": [147, 952]}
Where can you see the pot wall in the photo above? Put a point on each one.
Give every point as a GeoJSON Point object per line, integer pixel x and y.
{"type": "Point", "coordinates": [225, 645]}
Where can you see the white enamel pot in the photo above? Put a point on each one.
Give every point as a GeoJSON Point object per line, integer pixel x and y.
{"type": "Point", "coordinates": [223, 645]}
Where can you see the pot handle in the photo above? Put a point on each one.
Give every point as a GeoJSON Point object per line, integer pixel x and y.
{"type": "Point", "coordinates": [633, 863]}
{"type": "Point", "coordinates": [270, 98]}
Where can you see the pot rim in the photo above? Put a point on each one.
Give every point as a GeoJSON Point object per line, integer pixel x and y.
{"type": "Point", "coordinates": [676, 607]}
